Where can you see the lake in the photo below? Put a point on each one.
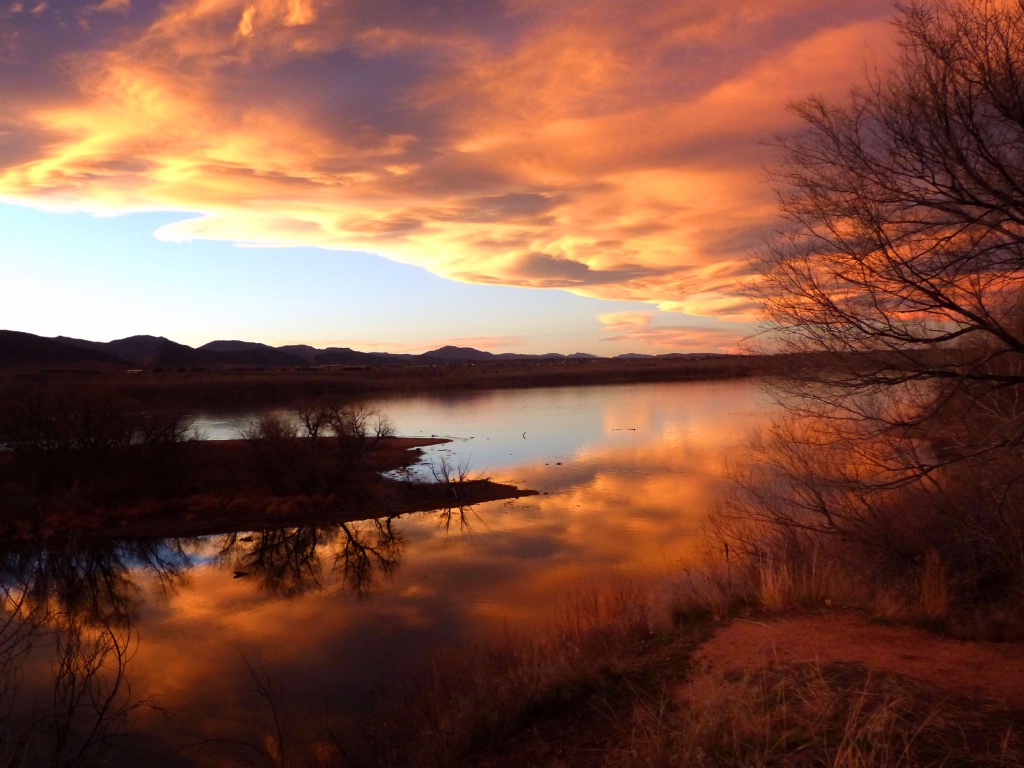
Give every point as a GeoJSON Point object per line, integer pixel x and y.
{"type": "Point", "coordinates": [331, 616]}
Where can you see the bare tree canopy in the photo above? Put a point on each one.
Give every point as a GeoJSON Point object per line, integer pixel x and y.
{"type": "Point", "coordinates": [902, 247]}
{"type": "Point", "coordinates": [897, 275]}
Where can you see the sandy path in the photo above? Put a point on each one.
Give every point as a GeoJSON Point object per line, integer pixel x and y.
{"type": "Point", "coordinates": [993, 671]}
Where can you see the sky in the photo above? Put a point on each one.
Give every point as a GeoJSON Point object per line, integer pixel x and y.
{"type": "Point", "coordinates": [396, 175]}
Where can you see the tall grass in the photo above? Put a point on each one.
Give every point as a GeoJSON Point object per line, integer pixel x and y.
{"type": "Point", "coordinates": [820, 517]}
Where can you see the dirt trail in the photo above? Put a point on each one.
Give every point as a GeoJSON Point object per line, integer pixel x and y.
{"type": "Point", "coordinates": [993, 671]}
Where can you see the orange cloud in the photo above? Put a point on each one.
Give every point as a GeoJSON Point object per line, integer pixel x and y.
{"type": "Point", "coordinates": [651, 331]}
{"type": "Point", "coordinates": [611, 150]}
{"type": "Point", "coordinates": [496, 344]}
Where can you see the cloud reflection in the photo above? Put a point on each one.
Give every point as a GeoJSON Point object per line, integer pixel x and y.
{"type": "Point", "coordinates": [628, 473]}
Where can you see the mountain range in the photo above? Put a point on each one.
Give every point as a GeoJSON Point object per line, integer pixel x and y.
{"type": "Point", "coordinates": [27, 351]}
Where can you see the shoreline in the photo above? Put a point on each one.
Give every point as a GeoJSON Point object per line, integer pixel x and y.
{"type": "Point", "coordinates": [248, 388]}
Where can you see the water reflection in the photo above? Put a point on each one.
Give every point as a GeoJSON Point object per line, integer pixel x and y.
{"type": "Point", "coordinates": [286, 562]}
{"type": "Point", "coordinates": [66, 643]}
{"type": "Point", "coordinates": [331, 613]}
{"type": "Point", "coordinates": [68, 623]}
{"type": "Point", "coordinates": [94, 580]}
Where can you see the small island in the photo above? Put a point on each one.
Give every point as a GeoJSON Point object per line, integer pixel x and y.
{"type": "Point", "coordinates": [87, 470]}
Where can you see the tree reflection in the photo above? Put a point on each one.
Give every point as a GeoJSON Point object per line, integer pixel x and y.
{"type": "Point", "coordinates": [367, 547]}
{"type": "Point", "coordinates": [64, 694]}
{"type": "Point", "coordinates": [459, 516]}
{"type": "Point", "coordinates": [66, 640]}
{"type": "Point", "coordinates": [286, 561]}
{"type": "Point", "coordinates": [68, 613]}
{"type": "Point", "coordinates": [289, 561]}
{"type": "Point", "coordinates": [18, 626]}
{"type": "Point", "coordinates": [91, 702]}
{"type": "Point", "coordinates": [95, 580]}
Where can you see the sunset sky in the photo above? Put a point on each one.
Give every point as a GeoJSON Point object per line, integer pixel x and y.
{"type": "Point", "coordinates": [396, 175]}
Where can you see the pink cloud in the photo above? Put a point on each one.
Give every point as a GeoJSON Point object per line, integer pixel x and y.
{"type": "Point", "coordinates": [650, 331]}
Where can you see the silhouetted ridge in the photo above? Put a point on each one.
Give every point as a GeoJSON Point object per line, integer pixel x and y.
{"type": "Point", "coordinates": [19, 349]}
{"type": "Point", "coordinates": [137, 349]}
{"type": "Point", "coordinates": [28, 351]}
{"type": "Point", "coordinates": [458, 353]}
{"type": "Point", "coordinates": [344, 356]}
{"type": "Point", "coordinates": [250, 354]}
{"type": "Point", "coordinates": [170, 354]}
{"type": "Point", "coordinates": [302, 351]}
{"type": "Point", "coordinates": [133, 349]}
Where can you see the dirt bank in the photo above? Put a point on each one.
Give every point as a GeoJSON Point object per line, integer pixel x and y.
{"type": "Point", "coordinates": [990, 671]}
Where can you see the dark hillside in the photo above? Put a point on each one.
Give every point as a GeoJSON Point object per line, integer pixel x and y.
{"type": "Point", "coordinates": [248, 354]}
{"type": "Point", "coordinates": [171, 355]}
{"type": "Point", "coordinates": [461, 354]}
{"type": "Point", "coordinates": [134, 349]}
{"type": "Point", "coordinates": [25, 350]}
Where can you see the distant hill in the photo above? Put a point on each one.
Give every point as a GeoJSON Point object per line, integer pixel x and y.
{"type": "Point", "coordinates": [458, 354]}
{"type": "Point", "coordinates": [170, 354]}
{"type": "Point", "coordinates": [249, 354]}
{"type": "Point", "coordinates": [134, 349]}
{"type": "Point", "coordinates": [302, 351]}
{"type": "Point", "coordinates": [26, 351]}
{"type": "Point", "coordinates": [344, 356]}
{"type": "Point", "coordinates": [670, 355]}
{"type": "Point", "coordinates": [468, 354]}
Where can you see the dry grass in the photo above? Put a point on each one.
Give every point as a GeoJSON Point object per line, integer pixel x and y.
{"type": "Point", "coordinates": [775, 564]}
{"type": "Point", "coordinates": [612, 684]}
{"type": "Point", "coordinates": [935, 598]}
{"type": "Point", "coordinates": [830, 512]}
{"type": "Point", "coordinates": [837, 715]}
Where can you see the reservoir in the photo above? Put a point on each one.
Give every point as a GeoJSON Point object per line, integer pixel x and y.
{"type": "Point", "coordinates": [332, 618]}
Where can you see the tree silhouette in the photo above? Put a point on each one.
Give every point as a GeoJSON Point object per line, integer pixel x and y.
{"type": "Point", "coordinates": [901, 256]}
{"type": "Point", "coordinates": [897, 276]}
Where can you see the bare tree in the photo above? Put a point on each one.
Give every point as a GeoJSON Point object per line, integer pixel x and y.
{"type": "Point", "coordinates": [902, 253]}
{"type": "Point", "coordinates": [897, 280]}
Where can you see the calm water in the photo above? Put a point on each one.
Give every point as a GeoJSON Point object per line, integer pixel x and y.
{"type": "Point", "coordinates": [330, 616]}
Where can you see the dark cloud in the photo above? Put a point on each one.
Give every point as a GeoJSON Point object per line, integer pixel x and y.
{"type": "Point", "coordinates": [512, 207]}
{"type": "Point", "coordinates": [541, 270]}
{"type": "Point", "coordinates": [21, 144]}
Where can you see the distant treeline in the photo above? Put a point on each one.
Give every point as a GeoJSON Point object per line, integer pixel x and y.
{"type": "Point", "coordinates": [258, 387]}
